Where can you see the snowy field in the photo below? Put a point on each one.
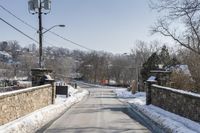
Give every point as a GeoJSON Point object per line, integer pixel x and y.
{"type": "Point", "coordinates": [169, 121]}
{"type": "Point", "coordinates": [37, 119]}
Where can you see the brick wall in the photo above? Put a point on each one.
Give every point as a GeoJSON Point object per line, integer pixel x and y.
{"type": "Point", "coordinates": [183, 103]}
{"type": "Point", "coordinates": [18, 103]}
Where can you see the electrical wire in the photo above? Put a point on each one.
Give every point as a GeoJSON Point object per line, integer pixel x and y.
{"type": "Point", "coordinates": [9, 12]}
{"type": "Point", "coordinates": [18, 18]}
{"type": "Point", "coordinates": [18, 30]}
{"type": "Point", "coordinates": [68, 40]}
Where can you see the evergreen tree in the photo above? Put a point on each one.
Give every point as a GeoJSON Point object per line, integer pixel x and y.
{"type": "Point", "coordinates": [164, 56]}
{"type": "Point", "coordinates": [155, 59]}
{"type": "Point", "coordinates": [150, 64]}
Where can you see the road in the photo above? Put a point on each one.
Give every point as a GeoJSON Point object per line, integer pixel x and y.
{"type": "Point", "coordinates": [101, 112]}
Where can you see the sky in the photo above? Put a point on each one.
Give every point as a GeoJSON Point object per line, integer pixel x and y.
{"type": "Point", "coordinates": [102, 25]}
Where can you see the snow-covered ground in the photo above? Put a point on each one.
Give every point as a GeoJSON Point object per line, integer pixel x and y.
{"type": "Point", "coordinates": [37, 119]}
{"type": "Point", "coordinates": [169, 121]}
{"type": "Point", "coordinates": [71, 90]}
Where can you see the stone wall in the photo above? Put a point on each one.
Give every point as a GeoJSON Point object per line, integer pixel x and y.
{"type": "Point", "coordinates": [18, 103]}
{"type": "Point", "coordinates": [180, 102]}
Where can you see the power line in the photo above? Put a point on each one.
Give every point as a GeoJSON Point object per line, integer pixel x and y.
{"type": "Point", "coordinates": [18, 30]}
{"type": "Point", "coordinates": [9, 12]}
{"type": "Point", "coordinates": [68, 40]}
{"type": "Point", "coordinates": [18, 18]}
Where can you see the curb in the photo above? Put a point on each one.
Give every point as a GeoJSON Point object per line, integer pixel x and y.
{"type": "Point", "coordinates": [34, 121]}
{"type": "Point", "coordinates": [145, 120]}
{"type": "Point", "coordinates": [162, 123]}
{"type": "Point", "coordinates": [154, 126]}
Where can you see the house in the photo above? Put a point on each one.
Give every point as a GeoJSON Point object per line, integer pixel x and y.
{"type": "Point", "coordinates": [4, 56]}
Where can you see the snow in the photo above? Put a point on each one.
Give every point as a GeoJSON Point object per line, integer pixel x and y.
{"type": "Point", "coordinates": [123, 93]}
{"type": "Point", "coordinates": [24, 83]}
{"type": "Point", "coordinates": [37, 119]}
{"type": "Point", "coordinates": [71, 90]}
{"type": "Point", "coordinates": [3, 53]}
{"type": "Point", "coordinates": [183, 68]}
{"type": "Point", "coordinates": [96, 85]}
{"type": "Point", "coordinates": [48, 77]}
{"type": "Point", "coordinates": [62, 98]}
{"type": "Point", "coordinates": [169, 121]}
{"type": "Point", "coordinates": [138, 98]}
{"type": "Point", "coordinates": [173, 120]}
{"type": "Point", "coordinates": [152, 79]}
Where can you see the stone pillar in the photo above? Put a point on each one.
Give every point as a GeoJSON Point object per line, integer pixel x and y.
{"type": "Point", "coordinates": [39, 78]}
{"type": "Point", "coordinates": [53, 84]}
{"type": "Point", "coordinates": [37, 75]}
{"type": "Point", "coordinates": [148, 93]}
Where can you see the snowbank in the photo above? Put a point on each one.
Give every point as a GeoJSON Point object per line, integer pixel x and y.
{"type": "Point", "coordinates": [62, 98]}
{"type": "Point", "coordinates": [167, 120]}
{"type": "Point", "coordinates": [123, 93]}
{"type": "Point", "coordinates": [34, 121]}
{"type": "Point", "coordinates": [71, 90]}
{"type": "Point", "coordinates": [138, 98]}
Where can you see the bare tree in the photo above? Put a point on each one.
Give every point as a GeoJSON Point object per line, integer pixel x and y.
{"type": "Point", "coordinates": [94, 66]}
{"type": "Point", "coordinates": [3, 46]}
{"type": "Point", "coordinates": [193, 61]}
{"type": "Point", "coordinates": [27, 62]}
{"type": "Point", "coordinates": [181, 22]}
{"type": "Point", "coordinates": [14, 49]}
{"type": "Point", "coordinates": [59, 61]}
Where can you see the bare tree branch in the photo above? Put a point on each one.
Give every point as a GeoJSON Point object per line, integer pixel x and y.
{"type": "Point", "coordinates": [186, 13]}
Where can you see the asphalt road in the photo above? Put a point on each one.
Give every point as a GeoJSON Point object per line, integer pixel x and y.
{"type": "Point", "coordinates": [101, 112]}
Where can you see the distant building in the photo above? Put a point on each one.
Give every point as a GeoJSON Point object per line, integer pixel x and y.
{"type": "Point", "coordinates": [4, 56]}
{"type": "Point", "coordinates": [180, 68]}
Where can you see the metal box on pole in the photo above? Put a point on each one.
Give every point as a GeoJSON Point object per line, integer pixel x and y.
{"type": "Point", "coordinates": [47, 4]}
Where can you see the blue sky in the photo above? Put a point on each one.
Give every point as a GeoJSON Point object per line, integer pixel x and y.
{"type": "Point", "coordinates": [108, 25]}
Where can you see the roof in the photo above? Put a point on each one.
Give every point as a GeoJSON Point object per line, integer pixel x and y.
{"type": "Point", "coordinates": [5, 54]}
{"type": "Point", "coordinates": [182, 68]}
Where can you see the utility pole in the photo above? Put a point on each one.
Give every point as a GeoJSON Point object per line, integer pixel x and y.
{"type": "Point", "coordinates": [40, 33]}
{"type": "Point", "coordinates": [39, 7]}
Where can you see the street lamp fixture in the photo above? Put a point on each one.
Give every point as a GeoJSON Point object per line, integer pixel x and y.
{"type": "Point", "coordinates": [61, 25]}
